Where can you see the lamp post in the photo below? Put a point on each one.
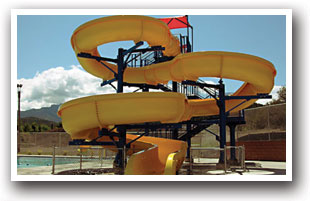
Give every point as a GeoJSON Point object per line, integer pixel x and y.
{"type": "Point", "coordinates": [19, 88]}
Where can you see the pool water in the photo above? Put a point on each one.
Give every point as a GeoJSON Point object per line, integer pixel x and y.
{"type": "Point", "coordinates": [27, 161]}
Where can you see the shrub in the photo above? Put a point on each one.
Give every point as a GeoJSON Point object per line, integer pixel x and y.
{"type": "Point", "coordinates": [39, 151]}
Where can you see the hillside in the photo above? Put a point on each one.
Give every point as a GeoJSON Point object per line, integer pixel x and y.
{"type": "Point", "coordinates": [38, 121]}
{"type": "Point", "coordinates": [45, 113]}
{"type": "Point", "coordinates": [34, 124]}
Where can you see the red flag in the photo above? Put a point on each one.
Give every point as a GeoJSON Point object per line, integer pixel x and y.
{"type": "Point", "coordinates": [176, 22]}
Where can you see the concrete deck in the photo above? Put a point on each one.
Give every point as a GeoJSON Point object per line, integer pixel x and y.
{"type": "Point", "coordinates": [200, 167]}
{"type": "Point", "coordinates": [47, 170]}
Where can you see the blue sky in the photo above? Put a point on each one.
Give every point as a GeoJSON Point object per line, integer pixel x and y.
{"type": "Point", "coordinates": [44, 41]}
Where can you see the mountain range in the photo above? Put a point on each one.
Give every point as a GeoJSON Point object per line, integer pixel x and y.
{"type": "Point", "coordinates": [46, 113]}
{"type": "Point", "coordinates": [38, 121]}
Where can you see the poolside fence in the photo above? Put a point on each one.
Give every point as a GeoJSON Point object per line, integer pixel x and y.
{"type": "Point", "coordinates": [87, 159]}
{"type": "Point", "coordinates": [205, 159]}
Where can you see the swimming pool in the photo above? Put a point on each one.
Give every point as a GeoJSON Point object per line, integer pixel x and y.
{"type": "Point", "coordinates": [32, 161]}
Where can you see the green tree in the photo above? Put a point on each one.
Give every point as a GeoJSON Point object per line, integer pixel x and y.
{"type": "Point", "coordinates": [281, 97]}
{"type": "Point", "coordinates": [34, 126]}
{"type": "Point", "coordinates": [22, 128]}
{"type": "Point", "coordinates": [44, 128]}
{"type": "Point", "coordinates": [27, 128]}
{"type": "Point", "coordinates": [59, 125]}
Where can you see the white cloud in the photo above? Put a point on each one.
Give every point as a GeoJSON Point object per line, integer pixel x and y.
{"type": "Point", "coordinates": [58, 85]}
{"type": "Point", "coordinates": [273, 93]}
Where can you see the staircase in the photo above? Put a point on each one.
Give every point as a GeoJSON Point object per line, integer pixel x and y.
{"type": "Point", "coordinates": [140, 59]}
{"type": "Point", "coordinates": [194, 131]}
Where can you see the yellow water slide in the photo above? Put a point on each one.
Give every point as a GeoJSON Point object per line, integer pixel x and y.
{"type": "Point", "coordinates": [82, 118]}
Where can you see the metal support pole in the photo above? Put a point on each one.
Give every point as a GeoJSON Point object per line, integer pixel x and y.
{"type": "Point", "coordinates": [120, 70]}
{"type": "Point", "coordinates": [146, 129]}
{"type": "Point", "coordinates": [222, 124]}
{"type": "Point", "coordinates": [18, 93]}
{"type": "Point", "coordinates": [232, 129]}
{"type": "Point", "coordinates": [174, 86]}
{"type": "Point", "coordinates": [121, 145]}
{"type": "Point", "coordinates": [188, 139]}
{"type": "Point", "coordinates": [187, 25]}
{"type": "Point", "coordinates": [243, 157]}
{"type": "Point", "coordinates": [225, 159]}
{"type": "Point", "coordinates": [124, 158]}
{"type": "Point", "coordinates": [122, 132]}
{"type": "Point", "coordinates": [190, 163]}
{"type": "Point", "coordinates": [192, 39]}
{"type": "Point", "coordinates": [181, 45]}
{"type": "Point", "coordinates": [53, 167]}
{"type": "Point", "coordinates": [19, 86]}
{"type": "Point", "coordinates": [19, 124]}
{"type": "Point", "coordinates": [175, 132]}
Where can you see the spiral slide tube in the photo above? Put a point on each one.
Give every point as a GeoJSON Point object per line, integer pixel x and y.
{"type": "Point", "coordinates": [82, 118]}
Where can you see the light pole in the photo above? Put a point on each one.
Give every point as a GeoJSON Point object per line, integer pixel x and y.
{"type": "Point", "coordinates": [19, 88]}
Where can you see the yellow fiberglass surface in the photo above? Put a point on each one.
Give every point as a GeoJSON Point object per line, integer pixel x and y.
{"type": "Point", "coordinates": [83, 117]}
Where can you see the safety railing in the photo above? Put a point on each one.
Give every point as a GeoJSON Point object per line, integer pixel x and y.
{"type": "Point", "coordinates": [215, 160]}
{"type": "Point", "coordinates": [140, 59]}
{"type": "Point", "coordinates": [193, 91]}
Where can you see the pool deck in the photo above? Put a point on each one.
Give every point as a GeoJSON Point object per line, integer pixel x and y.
{"type": "Point", "coordinates": [209, 167]}
{"type": "Point", "coordinates": [201, 167]}
{"type": "Point", "coordinates": [47, 170]}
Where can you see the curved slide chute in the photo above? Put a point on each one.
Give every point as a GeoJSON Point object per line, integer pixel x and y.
{"type": "Point", "coordinates": [83, 117]}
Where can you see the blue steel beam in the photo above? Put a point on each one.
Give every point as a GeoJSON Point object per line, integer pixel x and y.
{"type": "Point", "coordinates": [97, 58]}
{"type": "Point", "coordinates": [222, 124]}
{"type": "Point", "coordinates": [138, 44]}
{"type": "Point", "coordinates": [258, 96]}
{"type": "Point", "coordinates": [107, 82]}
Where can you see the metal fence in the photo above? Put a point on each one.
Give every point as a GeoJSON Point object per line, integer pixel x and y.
{"type": "Point", "coordinates": [85, 159]}
{"type": "Point", "coordinates": [98, 160]}
{"type": "Point", "coordinates": [205, 160]}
